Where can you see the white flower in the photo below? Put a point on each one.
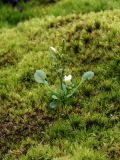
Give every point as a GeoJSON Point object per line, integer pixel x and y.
{"type": "Point", "coordinates": [67, 78]}
{"type": "Point", "coordinates": [53, 49]}
{"type": "Point", "coordinates": [111, 115]}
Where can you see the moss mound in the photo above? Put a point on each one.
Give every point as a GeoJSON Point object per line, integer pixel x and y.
{"type": "Point", "coordinates": [10, 17]}
{"type": "Point", "coordinates": [90, 127]}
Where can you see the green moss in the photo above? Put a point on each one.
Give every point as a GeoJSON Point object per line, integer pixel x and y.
{"type": "Point", "coordinates": [92, 121]}
{"type": "Point", "coordinates": [76, 152]}
{"type": "Point", "coordinates": [10, 16]}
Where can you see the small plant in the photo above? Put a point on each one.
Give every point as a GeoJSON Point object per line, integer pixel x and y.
{"type": "Point", "coordinates": [67, 89]}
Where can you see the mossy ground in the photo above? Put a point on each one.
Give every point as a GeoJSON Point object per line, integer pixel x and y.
{"type": "Point", "coordinates": [89, 129]}
{"type": "Point", "coordinates": [10, 16]}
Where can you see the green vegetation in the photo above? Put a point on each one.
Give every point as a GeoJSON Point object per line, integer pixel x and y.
{"type": "Point", "coordinates": [62, 95]}
{"type": "Point", "coordinates": [89, 129]}
{"type": "Point", "coordinates": [10, 16]}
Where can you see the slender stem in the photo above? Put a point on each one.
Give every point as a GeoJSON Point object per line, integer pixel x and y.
{"type": "Point", "coordinates": [79, 84]}
{"type": "Point", "coordinates": [46, 84]}
{"type": "Point", "coordinates": [61, 79]}
{"type": "Point", "coordinates": [75, 89]}
{"type": "Point", "coordinates": [61, 83]}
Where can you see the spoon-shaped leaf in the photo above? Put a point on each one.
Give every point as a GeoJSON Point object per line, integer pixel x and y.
{"type": "Point", "coordinates": [88, 75]}
{"type": "Point", "coordinates": [63, 87]}
{"type": "Point", "coordinates": [53, 105]}
{"type": "Point", "coordinates": [54, 97]}
{"type": "Point", "coordinates": [40, 76]}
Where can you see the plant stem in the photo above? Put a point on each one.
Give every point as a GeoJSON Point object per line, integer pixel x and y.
{"type": "Point", "coordinates": [75, 89]}
{"type": "Point", "coordinates": [46, 84]}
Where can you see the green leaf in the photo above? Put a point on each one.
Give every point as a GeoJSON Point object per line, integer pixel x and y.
{"type": "Point", "coordinates": [69, 95]}
{"type": "Point", "coordinates": [88, 75]}
{"type": "Point", "coordinates": [53, 105]}
{"type": "Point", "coordinates": [40, 76]}
{"type": "Point", "coordinates": [54, 97]}
{"type": "Point", "coordinates": [63, 87]}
